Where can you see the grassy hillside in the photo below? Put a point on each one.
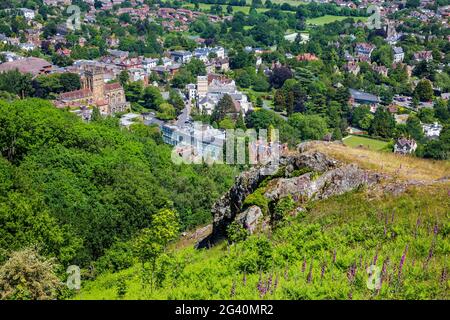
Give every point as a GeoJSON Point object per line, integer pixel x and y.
{"type": "Point", "coordinates": [320, 253]}
{"type": "Point", "coordinates": [401, 167]}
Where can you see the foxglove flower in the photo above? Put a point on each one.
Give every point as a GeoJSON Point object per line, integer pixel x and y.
{"type": "Point", "coordinates": [443, 275]}
{"type": "Point", "coordinates": [309, 278]}
{"type": "Point", "coordinates": [233, 289]}
{"type": "Point", "coordinates": [402, 262]}
{"type": "Point", "coordinates": [275, 285]}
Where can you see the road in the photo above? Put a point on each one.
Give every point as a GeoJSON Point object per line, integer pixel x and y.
{"type": "Point", "coordinates": [184, 115]}
{"type": "Point", "coordinates": [266, 106]}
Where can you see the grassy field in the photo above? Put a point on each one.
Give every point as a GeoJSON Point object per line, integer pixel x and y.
{"type": "Point", "coordinates": [207, 7]}
{"type": "Point", "coordinates": [403, 167]}
{"type": "Point", "coordinates": [320, 21]}
{"type": "Point", "coordinates": [357, 141]}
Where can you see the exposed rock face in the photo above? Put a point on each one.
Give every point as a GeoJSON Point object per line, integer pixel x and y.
{"type": "Point", "coordinates": [333, 182]}
{"type": "Point", "coordinates": [327, 177]}
{"type": "Point", "coordinates": [315, 161]}
{"type": "Point", "coordinates": [250, 218]}
{"type": "Point", "coordinates": [230, 204]}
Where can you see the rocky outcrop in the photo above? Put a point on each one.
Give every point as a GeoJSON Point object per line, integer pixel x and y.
{"type": "Point", "coordinates": [250, 218]}
{"type": "Point", "coordinates": [312, 187]}
{"type": "Point", "coordinates": [324, 177]}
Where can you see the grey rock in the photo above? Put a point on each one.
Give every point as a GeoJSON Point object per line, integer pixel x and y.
{"type": "Point", "coordinates": [250, 218]}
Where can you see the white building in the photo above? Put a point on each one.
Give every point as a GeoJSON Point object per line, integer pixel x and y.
{"type": "Point", "coordinates": [399, 55]}
{"type": "Point", "coordinates": [28, 13]}
{"type": "Point", "coordinates": [196, 141]}
{"type": "Point", "coordinates": [149, 63]}
{"type": "Point", "coordinates": [192, 91]}
{"type": "Point", "coordinates": [27, 46]}
{"type": "Point", "coordinates": [432, 130]}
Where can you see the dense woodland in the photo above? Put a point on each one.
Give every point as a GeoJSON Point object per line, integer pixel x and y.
{"type": "Point", "coordinates": [76, 189]}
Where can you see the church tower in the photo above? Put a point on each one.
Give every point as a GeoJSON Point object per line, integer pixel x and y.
{"type": "Point", "coordinates": [94, 81]}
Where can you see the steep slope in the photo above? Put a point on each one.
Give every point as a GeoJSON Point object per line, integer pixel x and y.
{"type": "Point", "coordinates": [319, 245]}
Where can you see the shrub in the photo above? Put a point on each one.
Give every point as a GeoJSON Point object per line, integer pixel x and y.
{"type": "Point", "coordinates": [257, 199]}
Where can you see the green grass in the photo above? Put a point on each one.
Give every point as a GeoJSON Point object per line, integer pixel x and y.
{"type": "Point", "coordinates": [357, 141]}
{"type": "Point", "coordinates": [320, 21]}
{"type": "Point", "coordinates": [207, 7]}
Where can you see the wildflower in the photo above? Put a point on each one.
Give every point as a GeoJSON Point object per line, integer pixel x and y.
{"type": "Point", "coordinates": [233, 289]}
{"type": "Point", "coordinates": [286, 272]}
{"type": "Point", "coordinates": [435, 230]}
{"type": "Point", "coordinates": [275, 284]}
{"type": "Point", "coordinates": [402, 262]}
{"type": "Point", "coordinates": [443, 275]}
{"type": "Point", "coordinates": [375, 258]}
{"type": "Point", "coordinates": [418, 222]}
{"type": "Point", "coordinates": [304, 265]}
{"type": "Point", "coordinates": [323, 270]}
{"type": "Point", "coordinates": [244, 279]}
{"type": "Point", "coordinates": [309, 278]}
{"type": "Point", "coordinates": [261, 287]}
{"type": "Point", "coordinates": [334, 256]}
{"type": "Point", "coordinates": [417, 227]}
{"type": "Point", "coordinates": [351, 272]}
{"type": "Point", "coordinates": [269, 283]}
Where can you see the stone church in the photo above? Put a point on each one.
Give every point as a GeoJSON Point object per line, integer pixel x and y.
{"type": "Point", "coordinates": [108, 97]}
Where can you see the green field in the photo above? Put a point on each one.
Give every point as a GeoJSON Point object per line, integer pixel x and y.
{"type": "Point", "coordinates": [207, 7]}
{"type": "Point", "coordinates": [372, 144]}
{"type": "Point", "coordinates": [320, 21]}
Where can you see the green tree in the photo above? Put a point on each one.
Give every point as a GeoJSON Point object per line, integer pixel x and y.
{"type": "Point", "coordinates": [424, 90]}
{"type": "Point", "coordinates": [152, 98]}
{"type": "Point", "coordinates": [124, 77]}
{"type": "Point", "coordinates": [310, 127]}
{"type": "Point", "coordinates": [17, 83]}
{"type": "Point", "coordinates": [96, 116]}
{"type": "Point", "coordinates": [152, 241]}
{"type": "Point", "coordinates": [166, 111]}
{"type": "Point", "coordinates": [226, 123]}
{"type": "Point", "coordinates": [224, 107]}
{"type": "Point", "coordinates": [196, 67]}
{"type": "Point", "coordinates": [383, 123]}
{"type": "Point", "coordinates": [414, 128]}
{"type": "Point", "coordinates": [28, 276]}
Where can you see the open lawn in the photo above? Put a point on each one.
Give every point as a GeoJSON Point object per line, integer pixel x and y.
{"type": "Point", "coordinates": [320, 21]}
{"type": "Point", "coordinates": [207, 7]}
{"type": "Point", "coordinates": [372, 144]}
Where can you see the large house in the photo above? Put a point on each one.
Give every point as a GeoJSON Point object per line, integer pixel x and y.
{"type": "Point", "coordinates": [405, 146]}
{"type": "Point", "coordinates": [108, 97]}
{"type": "Point", "coordinates": [363, 98]}
{"type": "Point", "coordinates": [32, 65]}
{"type": "Point", "coordinates": [211, 88]}
{"type": "Point", "coordinates": [364, 51]}
{"type": "Point", "coordinates": [432, 130]}
{"type": "Point", "coordinates": [423, 56]}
